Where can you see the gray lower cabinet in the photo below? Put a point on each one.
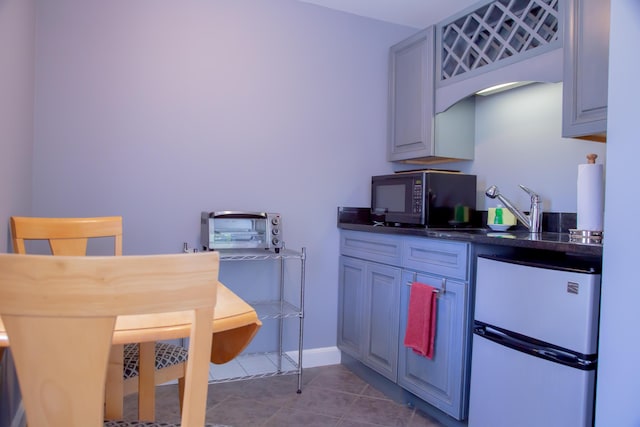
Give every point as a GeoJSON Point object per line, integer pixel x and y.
{"type": "Point", "coordinates": [376, 271]}
{"type": "Point", "coordinates": [586, 69]}
{"type": "Point", "coordinates": [369, 299]}
{"type": "Point", "coordinates": [369, 304]}
{"type": "Point", "coordinates": [439, 381]}
{"type": "Point", "coordinates": [443, 380]}
{"type": "Point", "coordinates": [350, 302]}
{"type": "Point", "coordinates": [381, 311]}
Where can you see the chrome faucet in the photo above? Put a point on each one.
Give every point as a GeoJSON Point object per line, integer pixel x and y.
{"type": "Point", "coordinates": [533, 221]}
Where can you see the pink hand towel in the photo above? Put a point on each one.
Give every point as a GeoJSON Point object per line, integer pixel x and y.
{"type": "Point", "coordinates": [421, 319]}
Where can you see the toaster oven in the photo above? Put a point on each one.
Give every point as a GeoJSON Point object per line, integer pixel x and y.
{"type": "Point", "coordinates": [241, 230]}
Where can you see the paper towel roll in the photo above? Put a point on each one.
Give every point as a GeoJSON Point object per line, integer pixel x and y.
{"type": "Point", "coordinates": [590, 197]}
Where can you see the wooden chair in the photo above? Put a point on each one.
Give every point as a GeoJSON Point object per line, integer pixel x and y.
{"type": "Point", "coordinates": [70, 236]}
{"type": "Point", "coordinates": [51, 306]}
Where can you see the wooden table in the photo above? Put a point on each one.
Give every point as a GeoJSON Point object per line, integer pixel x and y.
{"type": "Point", "coordinates": [235, 323]}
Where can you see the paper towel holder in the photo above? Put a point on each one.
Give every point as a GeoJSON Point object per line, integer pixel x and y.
{"type": "Point", "coordinates": [586, 236]}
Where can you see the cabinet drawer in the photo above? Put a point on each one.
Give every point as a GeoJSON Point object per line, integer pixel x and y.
{"type": "Point", "coordinates": [381, 248]}
{"type": "Point", "coordinates": [439, 257]}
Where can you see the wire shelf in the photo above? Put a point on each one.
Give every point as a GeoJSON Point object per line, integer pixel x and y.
{"type": "Point", "coordinates": [258, 254]}
{"type": "Point", "coordinates": [260, 365]}
{"type": "Point", "coordinates": [275, 309]}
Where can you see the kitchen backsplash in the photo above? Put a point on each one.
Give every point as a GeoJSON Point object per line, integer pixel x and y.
{"type": "Point", "coordinates": [554, 222]}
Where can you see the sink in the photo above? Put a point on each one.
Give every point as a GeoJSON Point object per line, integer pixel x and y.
{"type": "Point", "coordinates": [468, 232]}
{"type": "Point", "coordinates": [474, 230]}
{"type": "Point", "coordinates": [462, 230]}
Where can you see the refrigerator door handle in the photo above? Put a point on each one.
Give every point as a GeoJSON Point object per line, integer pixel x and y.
{"type": "Point", "coordinates": [535, 348]}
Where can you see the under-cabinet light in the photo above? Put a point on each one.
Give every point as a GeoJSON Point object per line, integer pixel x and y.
{"type": "Point", "coordinates": [501, 87]}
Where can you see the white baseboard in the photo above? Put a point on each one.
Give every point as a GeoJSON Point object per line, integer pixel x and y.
{"type": "Point", "coordinates": [314, 357]}
{"type": "Point", "coordinates": [258, 363]}
{"type": "Point", "coordinates": [311, 358]}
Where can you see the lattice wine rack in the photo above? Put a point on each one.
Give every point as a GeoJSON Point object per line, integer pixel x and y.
{"type": "Point", "coordinates": [497, 31]}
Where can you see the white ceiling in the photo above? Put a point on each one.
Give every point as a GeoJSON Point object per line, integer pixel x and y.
{"type": "Point", "coordinates": [412, 13]}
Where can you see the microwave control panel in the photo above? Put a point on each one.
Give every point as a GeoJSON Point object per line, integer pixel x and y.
{"type": "Point", "coordinates": [417, 197]}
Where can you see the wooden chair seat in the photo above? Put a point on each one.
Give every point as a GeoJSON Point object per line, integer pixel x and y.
{"type": "Point", "coordinates": [166, 355]}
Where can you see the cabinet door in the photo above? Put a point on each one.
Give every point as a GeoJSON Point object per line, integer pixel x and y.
{"type": "Point", "coordinates": [411, 97]}
{"type": "Point", "coordinates": [439, 381]}
{"type": "Point", "coordinates": [350, 302]}
{"type": "Point", "coordinates": [381, 318]}
{"type": "Point", "coordinates": [586, 65]}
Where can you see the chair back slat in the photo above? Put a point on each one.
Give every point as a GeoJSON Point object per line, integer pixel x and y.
{"type": "Point", "coordinates": [66, 236]}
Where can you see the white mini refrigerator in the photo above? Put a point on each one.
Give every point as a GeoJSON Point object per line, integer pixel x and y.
{"type": "Point", "coordinates": [534, 343]}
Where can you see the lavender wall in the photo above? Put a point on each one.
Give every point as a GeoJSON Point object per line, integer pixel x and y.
{"type": "Point", "coordinates": [618, 373]}
{"type": "Point", "coordinates": [157, 110]}
{"type": "Point", "coordinates": [16, 111]}
{"type": "Point", "coordinates": [17, 22]}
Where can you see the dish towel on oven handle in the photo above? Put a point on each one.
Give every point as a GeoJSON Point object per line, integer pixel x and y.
{"type": "Point", "coordinates": [421, 319]}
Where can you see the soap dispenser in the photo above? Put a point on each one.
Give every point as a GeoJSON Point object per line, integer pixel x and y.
{"type": "Point", "coordinates": [498, 216]}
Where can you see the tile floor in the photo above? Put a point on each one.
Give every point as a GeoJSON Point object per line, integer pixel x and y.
{"type": "Point", "coordinates": [332, 396]}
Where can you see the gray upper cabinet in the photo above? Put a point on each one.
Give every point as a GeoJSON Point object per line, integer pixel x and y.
{"type": "Point", "coordinates": [496, 42]}
{"type": "Point", "coordinates": [415, 133]}
{"type": "Point", "coordinates": [410, 124]}
{"type": "Point", "coordinates": [586, 68]}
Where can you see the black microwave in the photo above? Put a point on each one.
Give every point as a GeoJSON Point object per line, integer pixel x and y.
{"type": "Point", "coordinates": [429, 198]}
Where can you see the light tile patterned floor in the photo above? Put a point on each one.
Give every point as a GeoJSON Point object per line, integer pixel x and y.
{"type": "Point", "coordinates": [248, 365]}
{"type": "Point", "coordinates": [332, 396]}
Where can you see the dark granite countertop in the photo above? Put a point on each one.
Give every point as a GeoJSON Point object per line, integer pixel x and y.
{"type": "Point", "coordinates": [558, 241]}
